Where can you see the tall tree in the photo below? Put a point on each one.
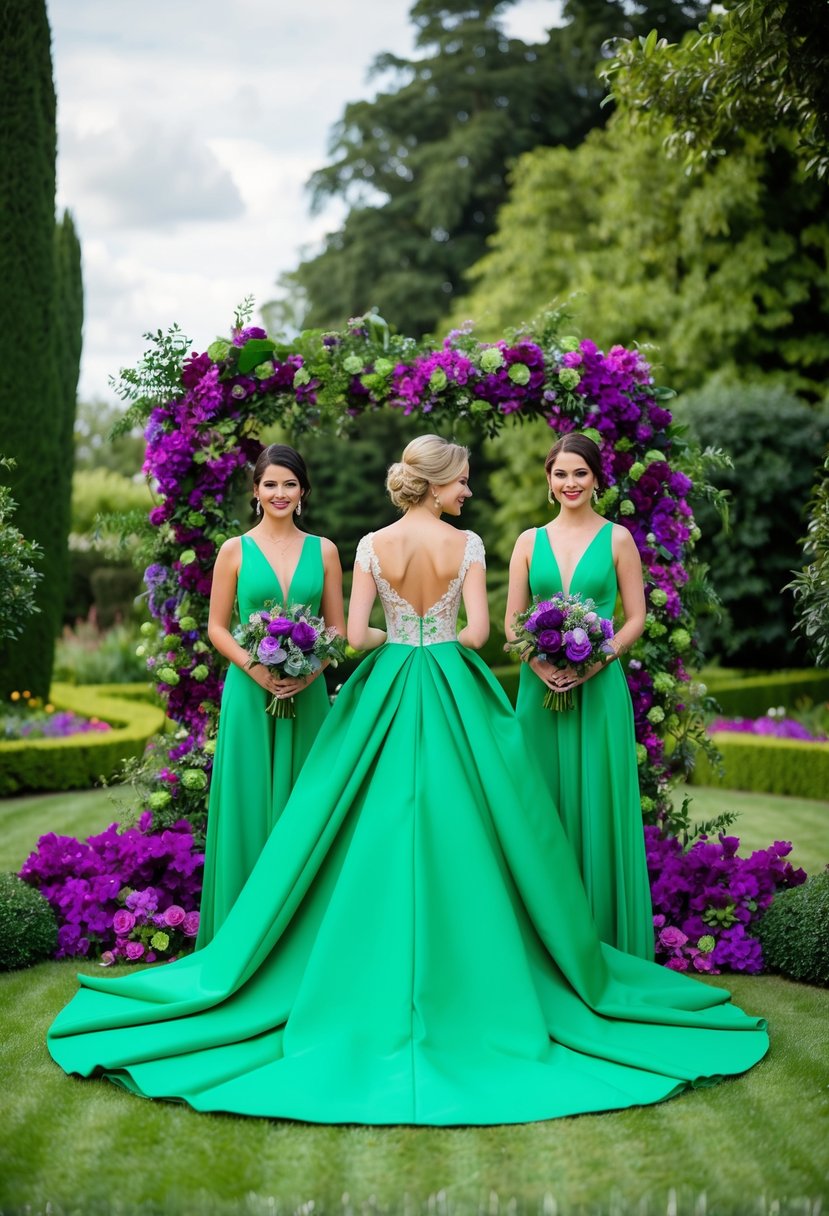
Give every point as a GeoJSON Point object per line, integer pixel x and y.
{"type": "Point", "coordinates": [423, 166]}
{"type": "Point", "coordinates": [722, 270]}
{"type": "Point", "coordinates": [33, 417]}
{"type": "Point", "coordinates": [68, 344]}
{"type": "Point", "coordinates": [755, 66]}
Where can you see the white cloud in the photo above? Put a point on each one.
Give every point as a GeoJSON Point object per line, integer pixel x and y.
{"type": "Point", "coordinates": [139, 174]}
{"type": "Point", "coordinates": [187, 132]}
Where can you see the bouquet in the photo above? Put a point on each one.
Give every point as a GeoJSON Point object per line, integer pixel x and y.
{"type": "Point", "coordinates": [292, 642]}
{"type": "Point", "coordinates": [567, 632]}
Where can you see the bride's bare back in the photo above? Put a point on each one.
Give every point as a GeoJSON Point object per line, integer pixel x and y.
{"type": "Point", "coordinates": [419, 559]}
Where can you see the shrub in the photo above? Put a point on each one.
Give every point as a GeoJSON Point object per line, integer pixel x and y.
{"type": "Point", "coordinates": [80, 761]}
{"type": "Point", "coordinates": [28, 928]}
{"type": "Point", "coordinates": [775, 440]}
{"type": "Point", "coordinates": [743, 696]}
{"type": "Point", "coordinates": [795, 932]}
{"type": "Point", "coordinates": [767, 765]}
{"type": "Point", "coordinates": [87, 655]}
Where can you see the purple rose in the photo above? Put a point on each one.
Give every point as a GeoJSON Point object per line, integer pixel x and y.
{"type": "Point", "coordinates": [549, 641]}
{"type": "Point", "coordinates": [304, 636]}
{"type": "Point", "coordinates": [607, 627]}
{"type": "Point", "coordinates": [550, 618]}
{"type": "Point", "coordinates": [190, 924]}
{"type": "Point", "coordinates": [280, 626]}
{"type": "Point", "coordinates": [134, 950]}
{"type": "Point", "coordinates": [577, 645]}
{"type": "Point", "coordinates": [174, 915]}
{"type": "Point", "coordinates": [677, 964]}
{"type": "Point", "coordinates": [107, 958]}
{"type": "Point", "coordinates": [270, 652]}
{"type": "Point", "coordinates": [672, 938]}
{"type": "Point", "coordinates": [122, 922]}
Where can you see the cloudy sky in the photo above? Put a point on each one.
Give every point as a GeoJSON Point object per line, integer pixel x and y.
{"type": "Point", "coordinates": [186, 134]}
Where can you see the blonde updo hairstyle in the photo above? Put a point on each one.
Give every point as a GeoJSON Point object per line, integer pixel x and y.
{"type": "Point", "coordinates": [427, 460]}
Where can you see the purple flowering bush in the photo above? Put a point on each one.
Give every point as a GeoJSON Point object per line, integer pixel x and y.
{"type": "Point", "coordinates": [119, 894]}
{"type": "Point", "coordinates": [706, 900]}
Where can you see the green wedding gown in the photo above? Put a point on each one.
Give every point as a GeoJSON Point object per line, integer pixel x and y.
{"type": "Point", "coordinates": [258, 757]}
{"type": "Point", "coordinates": [588, 756]}
{"type": "Point", "coordinates": [414, 945]}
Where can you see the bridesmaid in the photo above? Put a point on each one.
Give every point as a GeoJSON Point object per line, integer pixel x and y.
{"type": "Point", "coordinates": [589, 753]}
{"type": "Point", "coordinates": [258, 757]}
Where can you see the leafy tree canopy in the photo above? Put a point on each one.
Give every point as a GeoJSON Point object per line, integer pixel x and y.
{"type": "Point", "coordinates": [423, 166]}
{"type": "Point", "coordinates": [722, 270]}
{"type": "Point", "coordinates": [754, 66]}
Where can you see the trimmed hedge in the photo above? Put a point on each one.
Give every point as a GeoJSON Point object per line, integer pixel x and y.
{"type": "Point", "coordinates": [767, 765]}
{"type": "Point", "coordinates": [795, 932]}
{"type": "Point", "coordinates": [80, 761]}
{"type": "Point", "coordinates": [742, 696]}
{"type": "Point", "coordinates": [28, 928]}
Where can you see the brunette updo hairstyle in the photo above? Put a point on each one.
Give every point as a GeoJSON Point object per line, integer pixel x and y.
{"type": "Point", "coordinates": [583, 446]}
{"type": "Point", "coordinates": [427, 460]}
{"type": "Point", "coordinates": [287, 458]}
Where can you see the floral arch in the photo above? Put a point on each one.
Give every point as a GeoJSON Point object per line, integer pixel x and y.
{"type": "Point", "coordinates": [202, 413]}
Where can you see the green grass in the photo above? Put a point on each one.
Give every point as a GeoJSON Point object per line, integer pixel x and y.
{"type": "Point", "coordinates": [755, 1144]}
{"type": "Point", "coordinates": [75, 813]}
{"type": "Point", "coordinates": [80, 1145]}
{"type": "Point", "coordinates": [767, 817]}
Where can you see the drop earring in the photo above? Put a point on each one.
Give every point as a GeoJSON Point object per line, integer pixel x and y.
{"type": "Point", "coordinates": [595, 495]}
{"type": "Point", "coordinates": [551, 498]}
{"type": "Point", "coordinates": [438, 503]}
{"type": "Point", "coordinates": [299, 507]}
{"type": "Point", "coordinates": [258, 507]}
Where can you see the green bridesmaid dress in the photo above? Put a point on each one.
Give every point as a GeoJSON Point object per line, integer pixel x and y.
{"type": "Point", "coordinates": [258, 757]}
{"type": "Point", "coordinates": [414, 945]}
{"type": "Point", "coordinates": [588, 756]}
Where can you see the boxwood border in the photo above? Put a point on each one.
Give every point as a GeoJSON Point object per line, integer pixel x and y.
{"type": "Point", "coordinates": [84, 760]}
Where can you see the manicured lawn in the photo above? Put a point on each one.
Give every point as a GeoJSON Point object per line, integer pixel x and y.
{"type": "Point", "coordinates": [75, 813]}
{"type": "Point", "coordinates": [755, 1144]}
{"type": "Point", "coordinates": [87, 1147]}
{"type": "Point", "coordinates": [767, 817]}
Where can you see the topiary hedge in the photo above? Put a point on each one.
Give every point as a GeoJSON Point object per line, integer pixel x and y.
{"type": "Point", "coordinates": [28, 928]}
{"type": "Point", "coordinates": [80, 761]}
{"type": "Point", "coordinates": [741, 696]}
{"type": "Point", "coordinates": [795, 932]}
{"type": "Point", "coordinates": [767, 765]}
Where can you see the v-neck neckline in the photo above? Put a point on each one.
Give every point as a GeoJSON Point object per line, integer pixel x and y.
{"type": "Point", "coordinates": [582, 556]}
{"type": "Point", "coordinates": [284, 598]}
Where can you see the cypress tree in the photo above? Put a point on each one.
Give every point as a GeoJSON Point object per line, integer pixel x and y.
{"type": "Point", "coordinates": [30, 417]}
{"type": "Point", "coordinates": [68, 343]}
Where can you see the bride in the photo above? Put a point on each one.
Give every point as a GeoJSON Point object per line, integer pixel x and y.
{"type": "Point", "coordinates": [414, 944]}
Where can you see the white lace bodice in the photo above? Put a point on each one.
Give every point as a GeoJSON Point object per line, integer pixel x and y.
{"type": "Point", "coordinates": [440, 623]}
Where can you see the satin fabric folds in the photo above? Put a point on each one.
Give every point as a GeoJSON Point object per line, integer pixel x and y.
{"type": "Point", "coordinates": [414, 945]}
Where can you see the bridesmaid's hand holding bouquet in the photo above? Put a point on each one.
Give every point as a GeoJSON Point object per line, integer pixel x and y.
{"type": "Point", "coordinates": [292, 643]}
{"type": "Point", "coordinates": [567, 632]}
